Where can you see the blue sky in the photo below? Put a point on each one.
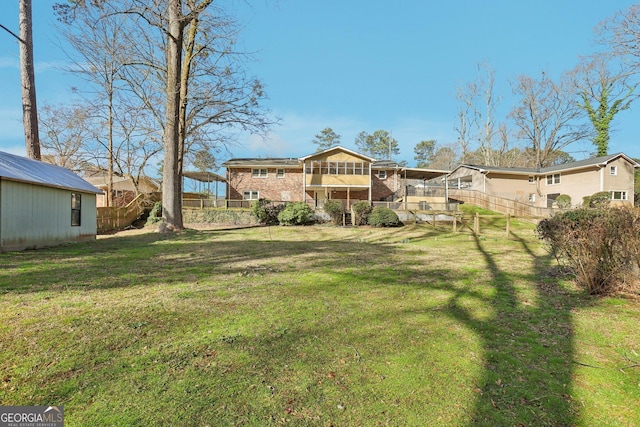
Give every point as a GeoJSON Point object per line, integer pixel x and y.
{"type": "Point", "coordinates": [356, 65]}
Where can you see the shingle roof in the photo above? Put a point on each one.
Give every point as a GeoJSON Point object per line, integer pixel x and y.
{"type": "Point", "coordinates": [594, 161]}
{"type": "Point", "coordinates": [22, 169]}
{"type": "Point", "coordinates": [270, 162]}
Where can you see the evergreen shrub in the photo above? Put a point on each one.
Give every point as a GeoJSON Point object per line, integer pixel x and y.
{"type": "Point", "coordinates": [296, 213]}
{"type": "Point", "coordinates": [383, 217]}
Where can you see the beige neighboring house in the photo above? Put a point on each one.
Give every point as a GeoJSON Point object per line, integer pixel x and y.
{"type": "Point", "coordinates": [540, 188]}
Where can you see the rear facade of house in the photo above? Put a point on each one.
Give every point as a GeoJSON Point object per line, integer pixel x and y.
{"type": "Point", "coordinates": [334, 174]}
{"type": "Point", "coordinates": [43, 205]}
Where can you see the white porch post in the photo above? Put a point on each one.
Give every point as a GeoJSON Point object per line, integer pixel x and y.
{"type": "Point", "coordinates": [304, 182]}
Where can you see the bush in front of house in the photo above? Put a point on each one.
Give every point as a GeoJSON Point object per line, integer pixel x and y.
{"type": "Point", "coordinates": [599, 200]}
{"type": "Point", "coordinates": [296, 213]}
{"type": "Point", "coordinates": [361, 211]}
{"type": "Point", "coordinates": [600, 246]}
{"type": "Point", "coordinates": [335, 210]}
{"type": "Point", "coordinates": [383, 217]}
{"type": "Point", "coordinates": [266, 211]}
{"type": "Point", "coordinates": [563, 201]}
{"type": "Point", "coordinates": [155, 215]}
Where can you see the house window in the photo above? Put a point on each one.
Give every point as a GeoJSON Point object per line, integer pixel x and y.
{"type": "Point", "coordinates": [259, 173]}
{"type": "Point", "coordinates": [382, 174]}
{"type": "Point", "coordinates": [613, 170]}
{"type": "Point", "coordinates": [553, 179]}
{"type": "Point", "coordinates": [279, 173]}
{"type": "Point", "coordinates": [250, 195]}
{"type": "Point", "coordinates": [531, 179]}
{"type": "Point", "coordinates": [532, 197]}
{"type": "Point", "coordinates": [76, 209]}
{"type": "Point", "coordinates": [619, 195]}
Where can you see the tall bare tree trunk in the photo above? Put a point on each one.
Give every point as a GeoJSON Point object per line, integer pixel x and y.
{"type": "Point", "coordinates": [29, 108]}
{"type": "Point", "coordinates": [171, 194]}
{"type": "Point", "coordinates": [184, 92]}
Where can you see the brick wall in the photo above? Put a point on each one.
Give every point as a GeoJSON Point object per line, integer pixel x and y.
{"type": "Point", "coordinates": [288, 188]}
{"type": "Point", "coordinates": [383, 188]}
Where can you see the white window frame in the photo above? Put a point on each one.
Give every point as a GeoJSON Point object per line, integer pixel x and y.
{"type": "Point", "coordinates": [551, 179]}
{"type": "Point", "coordinates": [259, 173]}
{"type": "Point", "coordinates": [532, 179]}
{"type": "Point", "coordinates": [623, 195]}
{"type": "Point", "coordinates": [279, 173]}
{"type": "Point", "coordinates": [253, 195]}
{"type": "Point", "coordinates": [382, 174]}
{"type": "Point", "coordinates": [613, 170]}
{"type": "Point", "coordinates": [532, 197]}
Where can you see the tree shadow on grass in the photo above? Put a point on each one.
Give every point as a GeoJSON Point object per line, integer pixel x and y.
{"type": "Point", "coordinates": [526, 340]}
{"type": "Point", "coordinates": [528, 344]}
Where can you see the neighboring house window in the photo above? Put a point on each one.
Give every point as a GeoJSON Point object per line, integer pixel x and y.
{"type": "Point", "coordinates": [532, 197]}
{"type": "Point", "coordinates": [613, 170]}
{"type": "Point", "coordinates": [250, 195]}
{"type": "Point", "coordinates": [76, 209]}
{"type": "Point", "coordinates": [280, 173]}
{"type": "Point", "coordinates": [531, 180]}
{"type": "Point", "coordinates": [553, 179]}
{"type": "Point", "coordinates": [382, 174]}
{"type": "Point", "coordinates": [259, 173]}
{"type": "Point", "coordinates": [619, 195]}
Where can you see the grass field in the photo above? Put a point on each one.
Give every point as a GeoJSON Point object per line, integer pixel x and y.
{"type": "Point", "coordinates": [314, 326]}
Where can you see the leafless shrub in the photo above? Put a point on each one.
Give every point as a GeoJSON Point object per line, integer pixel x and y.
{"type": "Point", "coordinates": [600, 246]}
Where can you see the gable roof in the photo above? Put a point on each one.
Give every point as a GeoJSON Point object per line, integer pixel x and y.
{"type": "Point", "coordinates": [289, 162]}
{"type": "Point", "coordinates": [22, 169]}
{"type": "Point", "coordinates": [581, 164]}
{"type": "Point", "coordinates": [338, 148]}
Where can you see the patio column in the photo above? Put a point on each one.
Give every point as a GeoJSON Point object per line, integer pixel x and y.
{"type": "Point", "coordinates": [304, 182]}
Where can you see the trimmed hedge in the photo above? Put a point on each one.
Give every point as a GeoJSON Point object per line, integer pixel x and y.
{"type": "Point", "coordinates": [296, 213]}
{"type": "Point", "coordinates": [384, 217]}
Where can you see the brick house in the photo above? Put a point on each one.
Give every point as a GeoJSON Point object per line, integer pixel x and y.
{"type": "Point", "coordinates": [337, 173]}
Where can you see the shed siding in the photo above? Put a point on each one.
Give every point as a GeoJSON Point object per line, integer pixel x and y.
{"type": "Point", "coordinates": [34, 216]}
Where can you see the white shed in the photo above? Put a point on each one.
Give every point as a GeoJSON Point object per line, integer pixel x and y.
{"type": "Point", "coordinates": [43, 205]}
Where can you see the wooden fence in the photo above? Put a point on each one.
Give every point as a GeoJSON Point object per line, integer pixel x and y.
{"type": "Point", "coordinates": [112, 218]}
{"type": "Point", "coordinates": [500, 204]}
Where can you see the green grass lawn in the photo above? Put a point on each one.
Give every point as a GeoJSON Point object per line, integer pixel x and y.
{"type": "Point", "coordinates": [317, 326]}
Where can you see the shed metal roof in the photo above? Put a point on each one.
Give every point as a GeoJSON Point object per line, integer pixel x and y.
{"type": "Point", "coordinates": [22, 169]}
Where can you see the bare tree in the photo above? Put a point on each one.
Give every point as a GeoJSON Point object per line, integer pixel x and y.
{"type": "Point", "coordinates": [621, 35]}
{"type": "Point", "coordinates": [66, 135]}
{"type": "Point", "coordinates": [467, 118]}
{"type": "Point", "coordinates": [477, 120]}
{"type": "Point", "coordinates": [98, 52]}
{"type": "Point", "coordinates": [182, 68]}
{"type": "Point", "coordinates": [548, 116]}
